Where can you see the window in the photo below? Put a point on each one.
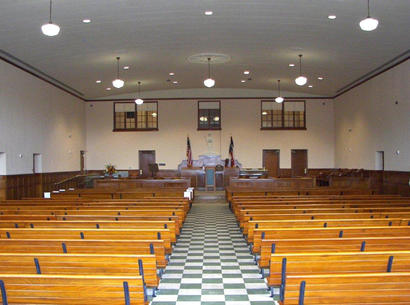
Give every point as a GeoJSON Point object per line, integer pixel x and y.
{"type": "Point", "coordinates": [209, 115]}
{"type": "Point", "coordinates": [287, 115]}
{"type": "Point", "coordinates": [130, 116]}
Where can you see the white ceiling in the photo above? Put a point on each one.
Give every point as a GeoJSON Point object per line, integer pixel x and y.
{"type": "Point", "coordinates": [155, 37]}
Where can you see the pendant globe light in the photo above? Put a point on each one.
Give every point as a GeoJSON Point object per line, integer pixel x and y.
{"type": "Point", "coordinates": [300, 80]}
{"type": "Point", "coordinates": [279, 99]}
{"type": "Point", "coordinates": [368, 24]}
{"type": "Point", "coordinates": [209, 82]}
{"type": "Point", "coordinates": [50, 28]}
{"type": "Point", "coordinates": [118, 83]}
{"type": "Point", "coordinates": [139, 101]}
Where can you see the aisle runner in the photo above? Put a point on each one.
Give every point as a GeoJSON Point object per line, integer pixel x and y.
{"type": "Point", "coordinates": [211, 263]}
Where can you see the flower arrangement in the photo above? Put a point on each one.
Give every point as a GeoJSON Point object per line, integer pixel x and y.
{"type": "Point", "coordinates": [110, 169]}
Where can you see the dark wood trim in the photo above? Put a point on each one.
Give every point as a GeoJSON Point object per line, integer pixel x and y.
{"type": "Point", "coordinates": [283, 128]}
{"type": "Point", "coordinates": [42, 78]}
{"type": "Point", "coordinates": [220, 115]}
{"type": "Point", "coordinates": [136, 129]}
{"type": "Point", "coordinates": [217, 98]}
{"type": "Point", "coordinates": [135, 118]}
{"type": "Point", "coordinates": [213, 98]}
{"type": "Point", "coordinates": [283, 116]}
{"type": "Point", "coordinates": [372, 76]}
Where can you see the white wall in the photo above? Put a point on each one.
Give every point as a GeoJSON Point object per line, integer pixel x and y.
{"type": "Point", "coordinates": [368, 120]}
{"type": "Point", "coordinates": [36, 117]}
{"type": "Point", "coordinates": [178, 118]}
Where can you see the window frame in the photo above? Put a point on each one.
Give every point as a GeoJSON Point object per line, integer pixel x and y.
{"type": "Point", "coordinates": [283, 116]}
{"type": "Point", "coordinates": [135, 117]}
{"type": "Point", "coordinates": [220, 116]}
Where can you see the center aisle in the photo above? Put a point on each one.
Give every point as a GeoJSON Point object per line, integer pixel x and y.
{"type": "Point", "coordinates": [211, 263]}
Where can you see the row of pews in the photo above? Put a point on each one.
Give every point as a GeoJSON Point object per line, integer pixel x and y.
{"type": "Point", "coordinates": [86, 251]}
{"type": "Point", "coordinates": [351, 249]}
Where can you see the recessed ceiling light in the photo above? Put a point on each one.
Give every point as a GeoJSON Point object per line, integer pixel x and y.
{"type": "Point", "coordinates": [171, 73]}
{"type": "Point", "coordinates": [86, 20]}
{"type": "Point", "coordinates": [291, 65]}
{"type": "Point", "coordinates": [175, 82]}
{"type": "Point", "coordinates": [310, 86]}
{"type": "Point", "coordinates": [246, 72]}
{"type": "Point", "coordinates": [209, 13]}
{"type": "Point", "coordinates": [332, 17]}
{"type": "Point", "coordinates": [108, 89]}
{"type": "Point", "coordinates": [98, 81]}
{"type": "Point", "coordinates": [320, 78]}
{"type": "Point", "coordinates": [126, 67]}
{"type": "Point", "coordinates": [242, 81]}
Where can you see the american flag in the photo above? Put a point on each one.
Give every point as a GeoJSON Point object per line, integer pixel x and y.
{"type": "Point", "coordinates": [188, 152]}
{"type": "Point", "coordinates": [231, 146]}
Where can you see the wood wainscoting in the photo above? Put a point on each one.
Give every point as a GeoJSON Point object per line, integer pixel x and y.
{"type": "Point", "coordinates": [3, 192]}
{"type": "Point", "coordinates": [396, 182]}
{"type": "Point", "coordinates": [30, 185]}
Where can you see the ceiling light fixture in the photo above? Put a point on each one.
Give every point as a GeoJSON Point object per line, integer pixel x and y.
{"type": "Point", "coordinates": [320, 78]}
{"type": "Point", "coordinates": [332, 17]}
{"type": "Point", "coordinates": [126, 67]}
{"type": "Point", "coordinates": [175, 82]}
{"type": "Point", "coordinates": [279, 99]}
{"type": "Point", "coordinates": [118, 83]}
{"type": "Point", "coordinates": [171, 73]}
{"type": "Point", "coordinates": [300, 80]}
{"type": "Point", "coordinates": [139, 100]}
{"type": "Point", "coordinates": [209, 82]}
{"type": "Point", "coordinates": [310, 86]}
{"type": "Point", "coordinates": [50, 28]}
{"type": "Point", "coordinates": [86, 20]}
{"type": "Point", "coordinates": [108, 89]}
{"type": "Point", "coordinates": [368, 24]}
{"type": "Point", "coordinates": [246, 72]}
{"type": "Point", "coordinates": [209, 13]}
{"type": "Point", "coordinates": [98, 81]}
{"type": "Point", "coordinates": [243, 81]}
{"type": "Point", "coordinates": [291, 65]}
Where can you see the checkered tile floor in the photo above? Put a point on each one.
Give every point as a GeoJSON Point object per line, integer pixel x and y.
{"type": "Point", "coordinates": [211, 263]}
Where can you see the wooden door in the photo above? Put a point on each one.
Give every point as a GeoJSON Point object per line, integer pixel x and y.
{"type": "Point", "coordinates": [146, 157]}
{"type": "Point", "coordinates": [270, 160]}
{"type": "Point", "coordinates": [299, 162]}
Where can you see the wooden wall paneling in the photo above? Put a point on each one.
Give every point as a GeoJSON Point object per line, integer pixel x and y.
{"type": "Point", "coordinates": [396, 183]}
{"type": "Point", "coordinates": [3, 189]}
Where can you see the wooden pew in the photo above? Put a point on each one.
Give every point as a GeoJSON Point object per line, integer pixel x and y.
{"type": "Point", "coordinates": [61, 246]}
{"type": "Point", "coordinates": [322, 211]}
{"type": "Point", "coordinates": [321, 223]}
{"type": "Point", "coordinates": [287, 264]}
{"type": "Point", "coordinates": [359, 289]}
{"type": "Point", "coordinates": [340, 232]}
{"type": "Point", "coordinates": [72, 289]}
{"type": "Point", "coordinates": [315, 245]}
{"type": "Point", "coordinates": [16, 223]}
{"type": "Point", "coordinates": [114, 213]}
{"type": "Point", "coordinates": [90, 218]}
{"type": "Point", "coordinates": [327, 216]}
{"type": "Point", "coordinates": [85, 234]}
{"type": "Point", "coordinates": [81, 264]}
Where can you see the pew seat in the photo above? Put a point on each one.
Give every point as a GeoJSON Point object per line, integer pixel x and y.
{"type": "Point", "coordinates": [341, 289]}
{"type": "Point", "coordinates": [287, 264]}
{"type": "Point", "coordinates": [81, 264]}
{"type": "Point", "coordinates": [72, 290]}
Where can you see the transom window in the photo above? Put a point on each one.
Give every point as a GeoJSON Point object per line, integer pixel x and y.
{"type": "Point", "coordinates": [287, 115]}
{"type": "Point", "coordinates": [209, 115]}
{"type": "Point", "coordinates": [132, 117]}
